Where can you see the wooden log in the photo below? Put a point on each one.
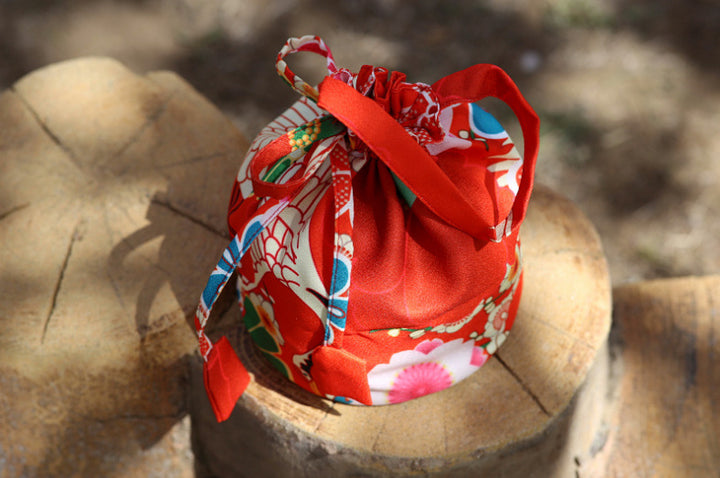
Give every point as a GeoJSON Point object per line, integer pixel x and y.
{"type": "Point", "coordinates": [663, 418]}
{"type": "Point", "coordinates": [113, 190]}
{"type": "Point", "coordinates": [530, 411]}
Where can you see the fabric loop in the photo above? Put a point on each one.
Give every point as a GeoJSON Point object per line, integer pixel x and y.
{"type": "Point", "coordinates": [308, 43]}
{"type": "Point", "coordinates": [269, 156]}
{"type": "Point", "coordinates": [482, 81]}
{"type": "Point", "coordinates": [415, 167]}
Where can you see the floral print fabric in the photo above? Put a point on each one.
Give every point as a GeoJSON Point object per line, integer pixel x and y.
{"type": "Point", "coordinates": [287, 259]}
{"type": "Point", "coordinates": [351, 285]}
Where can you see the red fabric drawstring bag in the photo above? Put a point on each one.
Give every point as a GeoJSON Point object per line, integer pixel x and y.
{"type": "Point", "coordinates": [375, 235]}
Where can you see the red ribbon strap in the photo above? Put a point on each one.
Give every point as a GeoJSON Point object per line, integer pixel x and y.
{"type": "Point", "coordinates": [402, 154]}
{"type": "Point", "coordinates": [415, 167]}
{"type": "Point", "coordinates": [482, 81]}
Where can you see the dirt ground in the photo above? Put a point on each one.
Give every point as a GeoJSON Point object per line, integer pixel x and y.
{"type": "Point", "coordinates": [628, 90]}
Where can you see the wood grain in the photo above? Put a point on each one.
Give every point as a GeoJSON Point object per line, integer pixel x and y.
{"type": "Point", "coordinates": [113, 188]}
{"type": "Point", "coordinates": [663, 418]}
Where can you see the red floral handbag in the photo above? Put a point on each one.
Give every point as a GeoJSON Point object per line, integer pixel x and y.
{"type": "Point", "coordinates": [375, 234]}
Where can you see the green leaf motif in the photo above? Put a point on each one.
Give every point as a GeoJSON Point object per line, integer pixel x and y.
{"type": "Point", "coordinates": [251, 317]}
{"type": "Point", "coordinates": [264, 340]}
{"type": "Point", "coordinates": [257, 331]}
{"type": "Point", "coordinates": [278, 364]}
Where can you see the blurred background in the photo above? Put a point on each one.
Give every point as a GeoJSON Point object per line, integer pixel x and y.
{"type": "Point", "coordinates": [628, 91]}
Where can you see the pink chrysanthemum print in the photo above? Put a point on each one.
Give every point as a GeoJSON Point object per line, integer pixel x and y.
{"type": "Point", "coordinates": [418, 380]}
{"type": "Point", "coordinates": [431, 366]}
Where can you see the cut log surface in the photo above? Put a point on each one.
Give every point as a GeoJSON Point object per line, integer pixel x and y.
{"type": "Point", "coordinates": [530, 411]}
{"type": "Point", "coordinates": [663, 421]}
{"type": "Point", "coordinates": [113, 191]}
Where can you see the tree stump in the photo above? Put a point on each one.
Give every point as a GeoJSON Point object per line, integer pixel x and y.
{"type": "Point", "coordinates": [663, 420]}
{"type": "Point", "coordinates": [113, 190]}
{"type": "Point", "coordinates": [530, 411]}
